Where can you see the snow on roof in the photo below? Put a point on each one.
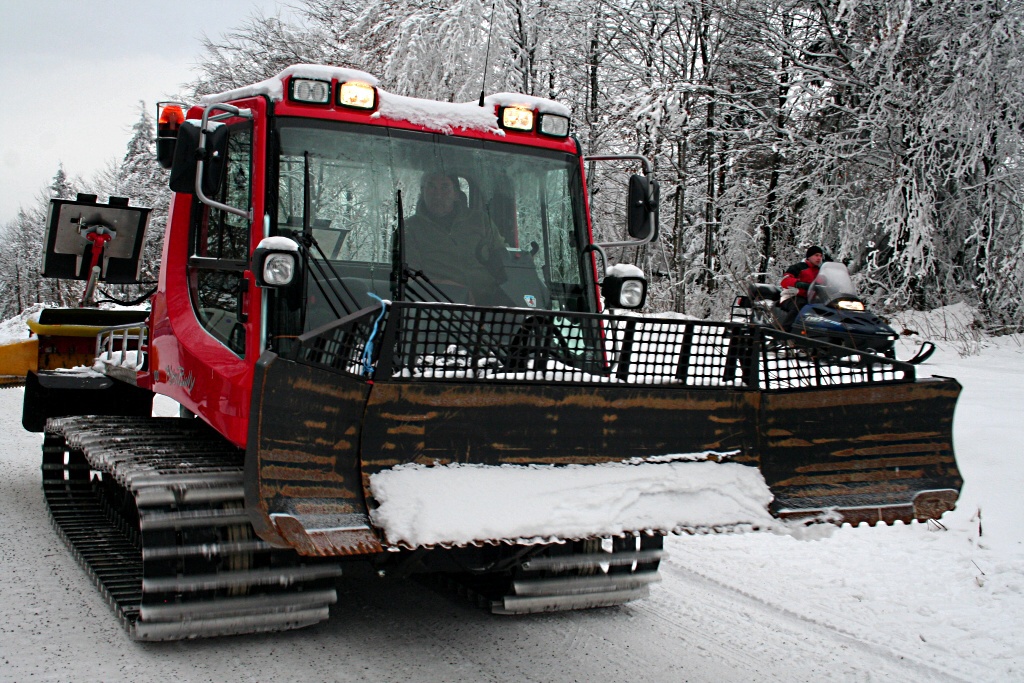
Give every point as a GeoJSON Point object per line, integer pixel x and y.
{"type": "Point", "coordinates": [542, 105]}
{"type": "Point", "coordinates": [462, 503]}
{"type": "Point", "coordinates": [273, 87]}
{"type": "Point", "coordinates": [443, 116]}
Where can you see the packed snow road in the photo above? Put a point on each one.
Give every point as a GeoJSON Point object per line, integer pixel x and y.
{"type": "Point", "coordinates": [896, 604]}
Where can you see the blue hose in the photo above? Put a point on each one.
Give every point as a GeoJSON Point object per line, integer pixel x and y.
{"type": "Point", "coordinates": [368, 351]}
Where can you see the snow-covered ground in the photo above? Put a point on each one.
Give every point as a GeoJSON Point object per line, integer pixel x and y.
{"type": "Point", "coordinates": [936, 602]}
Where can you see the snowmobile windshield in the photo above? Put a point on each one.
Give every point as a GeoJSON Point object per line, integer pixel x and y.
{"type": "Point", "coordinates": [833, 283]}
{"type": "Point", "coordinates": [482, 223]}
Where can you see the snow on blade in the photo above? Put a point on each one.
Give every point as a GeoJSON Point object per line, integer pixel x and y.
{"type": "Point", "coordinates": [462, 503]}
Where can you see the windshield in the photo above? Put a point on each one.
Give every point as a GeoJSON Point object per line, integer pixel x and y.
{"type": "Point", "coordinates": [833, 282]}
{"type": "Point", "coordinates": [483, 223]}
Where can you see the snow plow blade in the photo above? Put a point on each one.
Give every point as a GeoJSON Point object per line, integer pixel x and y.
{"type": "Point", "coordinates": [862, 454]}
{"type": "Point", "coordinates": [743, 412]}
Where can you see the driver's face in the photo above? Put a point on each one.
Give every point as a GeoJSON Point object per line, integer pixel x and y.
{"type": "Point", "coordinates": [439, 195]}
{"type": "Point", "coordinates": [816, 260]}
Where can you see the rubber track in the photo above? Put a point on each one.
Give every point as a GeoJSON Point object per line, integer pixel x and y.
{"type": "Point", "coordinates": [153, 509]}
{"type": "Point", "coordinates": [568, 576]}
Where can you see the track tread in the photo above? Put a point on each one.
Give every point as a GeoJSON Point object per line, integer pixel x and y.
{"type": "Point", "coordinates": [175, 566]}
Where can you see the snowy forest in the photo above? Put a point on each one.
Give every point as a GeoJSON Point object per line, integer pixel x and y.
{"type": "Point", "coordinates": [887, 131]}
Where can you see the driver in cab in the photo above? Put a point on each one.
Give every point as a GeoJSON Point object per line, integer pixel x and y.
{"type": "Point", "coordinates": [452, 243]}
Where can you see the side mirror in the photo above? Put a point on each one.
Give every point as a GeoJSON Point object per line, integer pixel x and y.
{"type": "Point", "coordinates": [275, 262]}
{"type": "Point", "coordinates": [183, 166]}
{"type": "Point", "coordinates": [642, 217]}
{"type": "Point", "coordinates": [216, 158]}
{"type": "Point", "coordinates": [624, 290]}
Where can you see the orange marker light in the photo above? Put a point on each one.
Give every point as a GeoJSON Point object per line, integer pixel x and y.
{"type": "Point", "coordinates": [171, 116]}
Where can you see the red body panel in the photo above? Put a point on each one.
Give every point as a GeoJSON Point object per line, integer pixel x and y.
{"type": "Point", "coordinates": [187, 363]}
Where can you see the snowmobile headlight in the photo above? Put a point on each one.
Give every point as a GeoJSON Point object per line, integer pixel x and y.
{"type": "Point", "coordinates": [624, 292]}
{"type": "Point", "coordinates": [850, 305]}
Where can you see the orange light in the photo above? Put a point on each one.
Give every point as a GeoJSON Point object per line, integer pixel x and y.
{"type": "Point", "coordinates": [171, 116]}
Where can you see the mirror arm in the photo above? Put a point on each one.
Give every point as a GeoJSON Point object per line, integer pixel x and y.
{"type": "Point", "coordinates": [644, 161]}
{"type": "Point", "coordinates": [229, 111]}
{"type": "Point", "coordinates": [599, 248]}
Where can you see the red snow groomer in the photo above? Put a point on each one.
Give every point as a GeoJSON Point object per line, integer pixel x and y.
{"type": "Point", "coordinates": [386, 326]}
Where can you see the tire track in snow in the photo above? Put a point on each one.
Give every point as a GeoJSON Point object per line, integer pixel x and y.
{"type": "Point", "coordinates": [677, 575]}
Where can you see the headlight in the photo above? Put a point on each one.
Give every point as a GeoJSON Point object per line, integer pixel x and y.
{"type": "Point", "coordinates": [275, 263]}
{"type": "Point", "coordinates": [632, 294]}
{"type": "Point", "coordinates": [624, 292]}
{"type": "Point", "coordinates": [850, 305]}
{"type": "Point", "coordinates": [357, 95]}
{"type": "Point", "coordinates": [309, 91]}
{"type": "Point", "coordinates": [554, 125]}
{"type": "Point", "coordinates": [516, 118]}
{"type": "Point", "coordinates": [279, 269]}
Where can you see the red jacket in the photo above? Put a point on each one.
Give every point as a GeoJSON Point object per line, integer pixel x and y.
{"type": "Point", "coordinates": [802, 272]}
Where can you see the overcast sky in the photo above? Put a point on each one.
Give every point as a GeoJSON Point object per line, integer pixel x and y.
{"type": "Point", "coordinates": [72, 73]}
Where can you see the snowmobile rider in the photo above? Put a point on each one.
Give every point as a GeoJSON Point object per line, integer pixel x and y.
{"type": "Point", "coordinates": [453, 244]}
{"type": "Point", "coordinates": [795, 281]}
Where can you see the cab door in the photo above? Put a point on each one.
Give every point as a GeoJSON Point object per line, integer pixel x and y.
{"type": "Point", "coordinates": [212, 304]}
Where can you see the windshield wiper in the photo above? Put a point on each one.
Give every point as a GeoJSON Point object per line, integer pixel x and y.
{"type": "Point", "coordinates": [334, 286]}
{"type": "Point", "coordinates": [401, 273]}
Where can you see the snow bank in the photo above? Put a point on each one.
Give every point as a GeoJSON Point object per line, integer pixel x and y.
{"type": "Point", "coordinates": [461, 503]}
{"type": "Point", "coordinates": [15, 329]}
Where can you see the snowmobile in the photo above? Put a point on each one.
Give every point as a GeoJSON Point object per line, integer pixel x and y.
{"type": "Point", "coordinates": [834, 313]}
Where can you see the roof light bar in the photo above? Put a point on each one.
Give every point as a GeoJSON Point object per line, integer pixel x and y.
{"type": "Point", "coordinates": [516, 118]}
{"type": "Point", "coordinates": [357, 95]}
{"type": "Point", "coordinates": [309, 91]}
{"type": "Point", "coordinates": [554, 125]}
